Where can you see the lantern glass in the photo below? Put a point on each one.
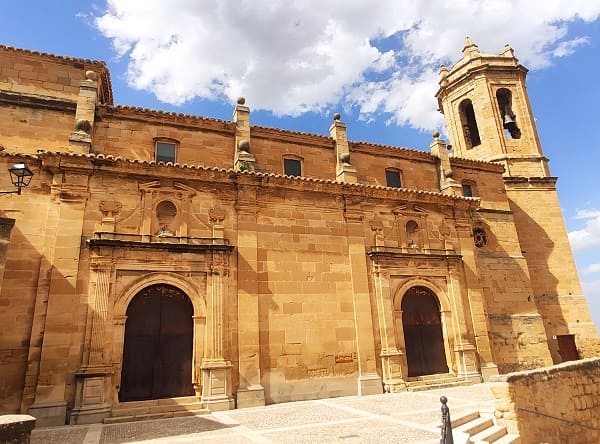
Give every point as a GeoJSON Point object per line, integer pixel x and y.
{"type": "Point", "coordinates": [20, 175]}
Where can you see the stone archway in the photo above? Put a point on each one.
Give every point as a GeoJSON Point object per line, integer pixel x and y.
{"type": "Point", "coordinates": [423, 336]}
{"type": "Point", "coordinates": [158, 345]}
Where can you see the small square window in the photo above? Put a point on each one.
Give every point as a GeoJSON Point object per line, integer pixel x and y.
{"type": "Point", "coordinates": [292, 167]}
{"type": "Point", "coordinates": [392, 178]}
{"type": "Point", "coordinates": [165, 152]}
{"type": "Point", "coordinates": [467, 190]}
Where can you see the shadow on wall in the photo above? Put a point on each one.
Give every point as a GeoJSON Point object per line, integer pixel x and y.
{"type": "Point", "coordinates": [518, 336]}
{"type": "Point", "coordinates": [23, 319]}
{"type": "Point", "coordinates": [266, 304]}
{"type": "Point", "coordinates": [550, 301]}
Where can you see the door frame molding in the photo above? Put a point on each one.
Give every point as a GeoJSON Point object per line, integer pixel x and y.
{"type": "Point", "coordinates": [446, 318]}
{"type": "Point", "coordinates": [196, 296]}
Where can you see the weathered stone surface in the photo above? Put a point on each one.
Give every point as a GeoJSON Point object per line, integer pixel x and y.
{"type": "Point", "coordinates": [296, 283]}
{"type": "Point", "coordinates": [16, 429]}
{"type": "Point", "coordinates": [558, 403]}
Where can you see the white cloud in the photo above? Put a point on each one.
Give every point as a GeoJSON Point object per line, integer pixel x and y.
{"type": "Point", "coordinates": [588, 237]}
{"type": "Point", "coordinates": [587, 214]}
{"type": "Point", "coordinates": [309, 55]}
{"type": "Point", "coordinates": [592, 294]}
{"type": "Point", "coordinates": [568, 47]}
{"type": "Point", "coordinates": [591, 269]}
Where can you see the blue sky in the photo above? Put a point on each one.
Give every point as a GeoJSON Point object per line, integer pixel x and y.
{"type": "Point", "coordinates": [297, 62]}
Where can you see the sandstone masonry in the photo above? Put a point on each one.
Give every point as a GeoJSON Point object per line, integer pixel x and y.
{"type": "Point", "coordinates": [159, 259]}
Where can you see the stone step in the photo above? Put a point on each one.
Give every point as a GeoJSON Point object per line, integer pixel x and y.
{"type": "Point", "coordinates": [463, 419]}
{"type": "Point", "coordinates": [163, 401]}
{"type": "Point", "coordinates": [476, 426]}
{"type": "Point", "coordinates": [431, 385]}
{"type": "Point", "coordinates": [156, 408]}
{"type": "Point", "coordinates": [490, 435]}
{"type": "Point", "coordinates": [509, 439]}
{"type": "Point", "coordinates": [430, 377]}
{"type": "Point", "coordinates": [150, 416]}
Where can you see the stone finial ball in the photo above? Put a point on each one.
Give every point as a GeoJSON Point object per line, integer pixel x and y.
{"type": "Point", "coordinates": [83, 125]}
{"type": "Point", "coordinates": [436, 134]}
{"type": "Point", "coordinates": [244, 145]}
{"type": "Point", "coordinates": [91, 75]}
{"type": "Point", "coordinates": [241, 100]}
{"type": "Point", "coordinates": [337, 116]}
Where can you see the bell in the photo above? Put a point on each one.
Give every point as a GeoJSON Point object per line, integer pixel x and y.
{"type": "Point", "coordinates": [508, 120]}
{"type": "Point", "coordinates": [511, 126]}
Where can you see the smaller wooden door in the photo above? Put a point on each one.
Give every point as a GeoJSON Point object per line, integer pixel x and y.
{"type": "Point", "coordinates": [425, 352]}
{"type": "Point", "coordinates": [157, 353]}
{"type": "Point", "coordinates": [567, 348]}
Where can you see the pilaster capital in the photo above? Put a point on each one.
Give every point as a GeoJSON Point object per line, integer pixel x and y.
{"type": "Point", "coordinates": [101, 264]}
{"type": "Point", "coordinates": [219, 264]}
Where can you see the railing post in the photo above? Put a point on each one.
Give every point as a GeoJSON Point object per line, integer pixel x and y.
{"type": "Point", "coordinates": [447, 437]}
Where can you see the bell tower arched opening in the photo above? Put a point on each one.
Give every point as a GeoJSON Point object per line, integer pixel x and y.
{"type": "Point", "coordinates": [158, 347]}
{"type": "Point", "coordinates": [423, 336]}
{"type": "Point", "coordinates": [469, 124]}
{"type": "Point", "coordinates": [509, 122]}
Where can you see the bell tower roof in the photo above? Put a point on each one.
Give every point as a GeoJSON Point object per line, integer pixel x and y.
{"type": "Point", "coordinates": [488, 115]}
{"type": "Point", "coordinates": [469, 46]}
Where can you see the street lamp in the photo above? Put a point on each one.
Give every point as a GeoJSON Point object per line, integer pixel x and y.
{"type": "Point", "coordinates": [20, 176]}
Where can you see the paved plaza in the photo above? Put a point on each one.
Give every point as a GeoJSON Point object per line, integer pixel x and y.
{"type": "Point", "coordinates": [390, 418]}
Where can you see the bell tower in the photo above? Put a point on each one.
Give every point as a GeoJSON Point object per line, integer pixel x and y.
{"type": "Point", "coordinates": [488, 113]}
{"type": "Point", "coordinates": [488, 116]}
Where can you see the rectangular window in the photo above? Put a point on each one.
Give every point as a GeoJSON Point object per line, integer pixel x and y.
{"type": "Point", "coordinates": [467, 190]}
{"type": "Point", "coordinates": [292, 167]}
{"type": "Point", "coordinates": [392, 178]}
{"type": "Point", "coordinates": [165, 152]}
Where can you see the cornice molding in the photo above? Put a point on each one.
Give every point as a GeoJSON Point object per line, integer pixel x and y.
{"type": "Point", "coordinates": [37, 101]}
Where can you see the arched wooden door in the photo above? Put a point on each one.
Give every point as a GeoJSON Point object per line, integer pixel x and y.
{"type": "Point", "coordinates": [157, 353]}
{"type": "Point", "coordinates": [423, 336]}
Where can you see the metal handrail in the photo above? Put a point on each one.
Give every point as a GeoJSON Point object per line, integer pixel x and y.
{"type": "Point", "coordinates": [559, 419]}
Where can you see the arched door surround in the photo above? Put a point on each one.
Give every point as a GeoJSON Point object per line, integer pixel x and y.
{"type": "Point", "coordinates": [158, 345]}
{"type": "Point", "coordinates": [423, 336]}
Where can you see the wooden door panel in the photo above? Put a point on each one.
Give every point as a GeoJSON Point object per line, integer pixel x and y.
{"type": "Point", "coordinates": [137, 374]}
{"type": "Point", "coordinates": [176, 367]}
{"type": "Point", "coordinates": [157, 354]}
{"type": "Point", "coordinates": [567, 348]}
{"type": "Point", "coordinates": [414, 351]}
{"type": "Point", "coordinates": [435, 355]}
{"type": "Point", "coordinates": [425, 353]}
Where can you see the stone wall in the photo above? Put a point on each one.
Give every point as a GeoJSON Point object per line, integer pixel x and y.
{"type": "Point", "coordinates": [557, 404]}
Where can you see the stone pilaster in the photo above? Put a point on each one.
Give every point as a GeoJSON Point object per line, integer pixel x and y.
{"type": "Point", "coordinates": [216, 371]}
{"type": "Point", "coordinates": [369, 382]}
{"type": "Point", "coordinates": [393, 359]}
{"type": "Point", "coordinates": [476, 305]}
{"type": "Point", "coordinates": [344, 171]}
{"type": "Point", "coordinates": [250, 392]}
{"type": "Point", "coordinates": [198, 354]}
{"type": "Point", "coordinates": [60, 321]}
{"type": "Point", "coordinates": [6, 225]}
{"type": "Point", "coordinates": [93, 380]}
{"type": "Point", "coordinates": [80, 140]}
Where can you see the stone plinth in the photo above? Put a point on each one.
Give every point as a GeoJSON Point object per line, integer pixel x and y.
{"type": "Point", "coordinates": [16, 429]}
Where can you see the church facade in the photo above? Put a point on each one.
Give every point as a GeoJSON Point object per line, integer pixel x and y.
{"type": "Point", "coordinates": [160, 259]}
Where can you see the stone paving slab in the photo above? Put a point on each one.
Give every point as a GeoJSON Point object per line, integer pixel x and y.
{"type": "Point", "coordinates": [390, 418]}
{"type": "Point", "coordinates": [167, 428]}
{"type": "Point", "coordinates": [59, 435]}
{"type": "Point", "coordinates": [356, 432]}
{"type": "Point", "coordinates": [274, 417]}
